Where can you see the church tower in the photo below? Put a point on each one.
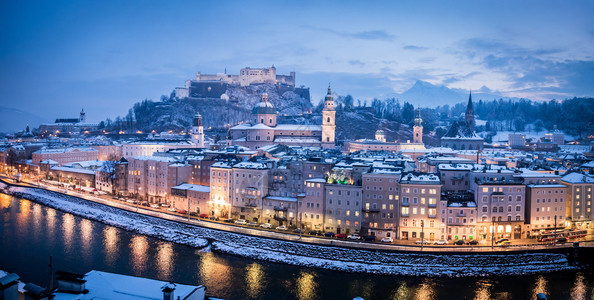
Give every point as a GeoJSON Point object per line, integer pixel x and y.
{"type": "Point", "coordinates": [418, 128]}
{"type": "Point", "coordinates": [469, 115]}
{"type": "Point", "coordinates": [82, 117]}
{"type": "Point", "coordinates": [328, 121]}
{"type": "Point", "coordinates": [198, 131]}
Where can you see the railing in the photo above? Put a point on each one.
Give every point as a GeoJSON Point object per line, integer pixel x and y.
{"type": "Point", "coordinates": [280, 208]}
{"type": "Point", "coordinates": [407, 203]}
{"type": "Point", "coordinates": [370, 210]}
{"type": "Point", "coordinates": [433, 205]}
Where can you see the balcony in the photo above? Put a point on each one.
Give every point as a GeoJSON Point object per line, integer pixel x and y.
{"type": "Point", "coordinates": [404, 215]}
{"type": "Point", "coordinates": [432, 216]}
{"type": "Point", "coordinates": [280, 218]}
{"type": "Point", "coordinates": [407, 203]}
{"type": "Point", "coordinates": [370, 210]}
{"type": "Point", "coordinates": [280, 208]}
{"type": "Point", "coordinates": [463, 215]}
{"type": "Point", "coordinates": [251, 205]}
{"type": "Point", "coordinates": [432, 205]}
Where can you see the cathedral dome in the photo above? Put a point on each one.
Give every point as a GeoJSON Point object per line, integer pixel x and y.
{"type": "Point", "coordinates": [264, 106]}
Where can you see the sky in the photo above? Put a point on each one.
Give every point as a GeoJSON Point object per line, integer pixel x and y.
{"type": "Point", "coordinates": [57, 57]}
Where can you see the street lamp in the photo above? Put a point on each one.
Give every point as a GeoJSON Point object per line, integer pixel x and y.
{"type": "Point", "coordinates": [139, 190]}
{"type": "Point", "coordinates": [493, 233]}
{"type": "Point", "coordinates": [422, 234]}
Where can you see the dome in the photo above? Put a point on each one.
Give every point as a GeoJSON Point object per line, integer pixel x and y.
{"type": "Point", "coordinates": [264, 106]}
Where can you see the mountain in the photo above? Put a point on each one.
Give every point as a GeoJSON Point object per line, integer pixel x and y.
{"type": "Point", "coordinates": [14, 120]}
{"type": "Point", "coordinates": [429, 95]}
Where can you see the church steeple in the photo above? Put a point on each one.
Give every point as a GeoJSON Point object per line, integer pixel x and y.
{"type": "Point", "coordinates": [469, 115]}
{"type": "Point", "coordinates": [328, 121]}
{"type": "Point", "coordinates": [418, 128]}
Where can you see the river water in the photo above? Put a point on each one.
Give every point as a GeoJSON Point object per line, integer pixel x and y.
{"type": "Point", "coordinates": [31, 232]}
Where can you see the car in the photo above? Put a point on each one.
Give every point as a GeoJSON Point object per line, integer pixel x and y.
{"type": "Point", "coordinates": [472, 242]}
{"type": "Point", "coordinates": [266, 225]}
{"type": "Point", "coordinates": [255, 224]}
{"type": "Point", "coordinates": [203, 215]}
{"type": "Point", "coordinates": [131, 201]}
{"type": "Point", "coordinates": [193, 213]}
{"type": "Point", "coordinates": [369, 238]}
{"type": "Point", "coordinates": [214, 218]}
{"type": "Point", "coordinates": [354, 236]}
{"type": "Point", "coordinates": [504, 243]}
{"type": "Point", "coordinates": [164, 204]}
{"type": "Point", "coordinates": [340, 236]}
{"type": "Point", "coordinates": [282, 227]}
{"type": "Point", "coordinates": [172, 209]}
{"type": "Point", "coordinates": [387, 240]}
{"type": "Point", "coordinates": [298, 230]}
{"type": "Point", "coordinates": [440, 242]}
{"type": "Point", "coordinates": [459, 242]}
{"type": "Point", "coordinates": [144, 203]}
{"type": "Point", "coordinates": [315, 232]}
{"type": "Point", "coordinates": [241, 222]}
{"type": "Point", "coordinates": [157, 206]}
{"type": "Point", "coordinates": [229, 220]}
{"type": "Point", "coordinates": [182, 211]}
{"type": "Point", "coordinates": [498, 242]}
{"type": "Point", "coordinates": [329, 234]}
{"type": "Point", "coordinates": [561, 239]}
{"type": "Point", "coordinates": [422, 242]}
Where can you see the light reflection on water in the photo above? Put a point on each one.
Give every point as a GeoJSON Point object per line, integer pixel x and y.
{"type": "Point", "coordinates": [50, 219]}
{"type": "Point", "coordinates": [165, 258]}
{"type": "Point", "coordinates": [68, 223]}
{"type": "Point", "coordinates": [307, 287]}
{"type": "Point", "coordinates": [254, 280]}
{"type": "Point", "coordinates": [110, 243]}
{"type": "Point", "coordinates": [138, 247]}
{"type": "Point", "coordinates": [578, 292]}
{"type": "Point", "coordinates": [483, 290]}
{"type": "Point", "coordinates": [426, 291]}
{"type": "Point", "coordinates": [213, 270]}
{"type": "Point", "coordinates": [540, 286]}
{"type": "Point", "coordinates": [86, 233]}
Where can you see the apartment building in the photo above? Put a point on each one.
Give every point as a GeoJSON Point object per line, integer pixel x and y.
{"type": "Point", "coordinates": [381, 195]}
{"type": "Point", "coordinates": [419, 196]}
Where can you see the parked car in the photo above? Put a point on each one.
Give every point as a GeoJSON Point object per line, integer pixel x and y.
{"type": "Point", "coordinates": [157, 206]}
{"type": "Point", "coordinates": [144, 203]}
{"type": "Point", "coordinates": [193, 213]}
{"type": "Point", "coordinates": [182, 211]}
{"type": "Point", "coordinates": [498, 242]}
{"type": "Point", "coordinates": [282, 227]}
{"type": "Point", "coordinates": [387, 240]}
{"type": "Point", "coordinates": [298, 230]}
{"type": "Point", "coordinates": [369, 238]}
{"type": "Point", "coordinates": [329, 234]}
{"type": "Point", "coordinates": [164, 204]}
{"type": "Point", "coordinates": [255, 224]}
{"type": "Point", "coordinates": [214, 218]}
{"type": "Point", "coordinates": [459, 242]}
{"type": "Point", "coordinates": [561, 239]}
{"type": "Point", "coordinates": [422, 242]}
{"type": "Point", "coordinates": [172, 209]}
{"type": "Point", "coordinates": [229, 220]}
{"type": "Point", "coordinates": [266, 225]}
{"type": "Point", "coordinates": [504, 243]}
{"type": "Point", "coordinates": [315, 232]}
{"type": "Point", "coordinates": [241, 222]}
{"type": "Point", "coordinates": [203, 215]}
{"type": "Point", "coordinates": [131, 201]}
{"type": "Point", "coordinates": [354, 236]}
{"type": "Point", "coordinates": [472, 242]}
{"type": "Point", "coordinates": [440, 242]}
{"type": "Point", "coordinates": [340, 236]}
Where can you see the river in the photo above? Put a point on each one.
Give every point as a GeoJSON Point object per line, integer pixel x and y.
{"type": "Point", "coordinates": [32, 232]}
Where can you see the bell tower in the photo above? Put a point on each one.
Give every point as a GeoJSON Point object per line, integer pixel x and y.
{"type": "Point", "coordinates": [198, 131]}
{"type": "Point", "coordinates": [328, 121]}
{"type": "Point", "coordinates": [418, 128]}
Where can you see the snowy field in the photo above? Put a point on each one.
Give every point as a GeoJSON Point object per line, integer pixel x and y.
{"type": "Point", "coordinates": [301, 254]}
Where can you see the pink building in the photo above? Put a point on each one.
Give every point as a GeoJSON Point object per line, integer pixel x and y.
{"type": "Point", "coordinates": [152, 177]}
{"type": "Point", "coordinates": [190, 198]}
{"type": "Point", "coordinates": [65, 155]}
{"type": "Point", "coordinates": [381, 195]}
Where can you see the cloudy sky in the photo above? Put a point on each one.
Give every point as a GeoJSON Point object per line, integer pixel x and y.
{"type": "Point", "coordinates": [59, 56]}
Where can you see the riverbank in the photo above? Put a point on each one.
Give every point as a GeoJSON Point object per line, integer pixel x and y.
{"type": "Point", "coordinates": [302, 254]}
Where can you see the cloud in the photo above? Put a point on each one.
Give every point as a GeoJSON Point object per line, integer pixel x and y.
{"type": "Point", "coordinates": [369, 35]}
{"type": "Point", "coordinates": [356, 62]}
{"type": "Point", "coordinates": [414, 48]}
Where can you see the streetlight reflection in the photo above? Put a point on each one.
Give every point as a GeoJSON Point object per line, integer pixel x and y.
{"type": "Point", "coordinates": [306, 286]}
{"type": "Point", "coordinates": [164, 259]}
{"type": "Point", "coordinates": [254, 279]}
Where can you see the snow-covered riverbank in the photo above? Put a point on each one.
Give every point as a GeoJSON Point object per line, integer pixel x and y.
{"type": "Point", "coordinates": [302, 254]}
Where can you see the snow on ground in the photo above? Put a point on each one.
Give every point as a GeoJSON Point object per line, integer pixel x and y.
{"type": "Point", "coordinates": [303, 254]}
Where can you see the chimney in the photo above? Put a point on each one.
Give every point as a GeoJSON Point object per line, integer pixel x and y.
{"type": "Point", "coordinates": [168, 290]}
{"type": "Point", "coordinates": [70, 282]}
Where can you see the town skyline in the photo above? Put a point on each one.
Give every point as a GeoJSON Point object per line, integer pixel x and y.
{"type": "Point", "coordinates": [119, 54]}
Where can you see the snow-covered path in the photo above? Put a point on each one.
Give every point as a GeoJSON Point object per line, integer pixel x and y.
{"type": "Point", "coordinates": [301, 254]}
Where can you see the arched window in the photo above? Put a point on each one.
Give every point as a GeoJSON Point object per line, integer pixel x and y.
{"type": "Point", "coordinates": [494, 209]}
{"type": "Point", "coordinates": [328, 120]}
{"type": "Point", "coordinates": [501, 209]}
{"type": "Point", "coordinates": [327, 139]}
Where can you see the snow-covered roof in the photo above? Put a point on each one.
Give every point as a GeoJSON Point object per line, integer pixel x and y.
{"type": "Point", "coordinates": [64, 150]}
{"type": "Point", "coordinates": [86, 164]}
{"type": "Point", "coordinates": [156, 158]}
{"type": "Point", "coordinates": [241, 126]}
{"type": "Point", "coordinates": [250, 165]}
{"type": "Point", "coordinates": [260, 126]}
{"type": "Point", "coordinates": [161, 142]}
{"type": "Point", "coordinates": [546, 186]}
{"type": "Point", "coordinates": [589, 164]}
{"type": "Point", "coordinates": [193, 187]}
{"type": "Point", "coordinates": [295, 127]}
{"type": "Point", "coordinates": [103, 285]}
{"type": "Point", "coordinates": [221, 164]}
{"type": "Point", "coordinates": [306, 140]}
{"type": "Point", "coordinates": [74, 170]}
{"type": "Point", "coordinates": [455, 167]}
{"type": "Point", "coordinates": [577, 178]}
{"type": "Point", "coordinates": [422, 178]}
{"type": "Point", "coordinates": [278, 198]}
{"type": "Point", "coordinates": [49, 162]}
{"type": "Point", "coordinates": [319, 180]}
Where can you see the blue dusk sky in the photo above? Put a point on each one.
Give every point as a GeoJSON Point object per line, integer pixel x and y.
{"type": "Point", "coordinates": [59, 56]}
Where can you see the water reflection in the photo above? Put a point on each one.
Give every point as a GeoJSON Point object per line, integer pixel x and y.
{"type": "Point", "coordinates": [403, 292]}
{"type": "Point", "coordinates": [50, 219]}
{"type": "Point", "coordinates": [68, 230]}
{"type": "Point", "coordinates": [5, 201]}
{"type": "Point", "coordinates": [426, 291]}
{"type": "Point", "coordinates": [579, 289]}
{"type": "Point", "coordinates": [307, 287]}
{"type": "Point", "coordinates": [254, 280]}
{"type": "Point", "coordinates": [110, 242]}
{"type": "Point", "coordinates": [483, 290]}
{"type": "Point", "coordinates": [540, 286]}
{"type": "Point", "coordinates": [86, 232]}
{"type": "Point", "coordinates": [36, 220]}
{"type": "Point", "coordinates": [165, 259]}
{"type": "Point", "coordinates": [213, 271]}
{"type": "Point", "coordinates": [138, 247]}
